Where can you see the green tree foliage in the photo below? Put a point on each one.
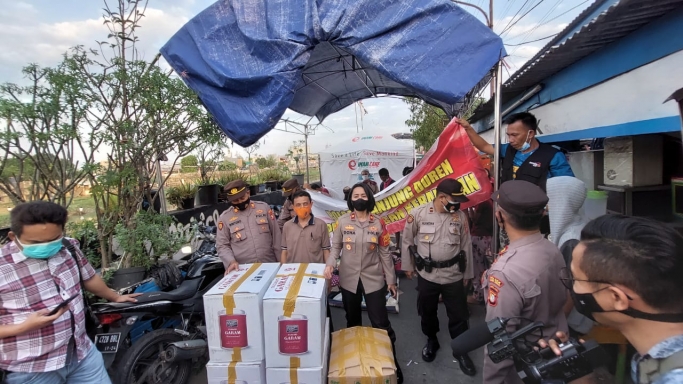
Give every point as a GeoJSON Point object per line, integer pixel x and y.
{"type": "Point", "coordinates": [188, 164]}
{"type": "Point", "coordinates": [266, 162]}
{"type": "Point", "coordinates": [428, 121]}
{"type": "Point", "coordinates": [227, 166]}
{"type": "Point", "coordinates": [42, 134]}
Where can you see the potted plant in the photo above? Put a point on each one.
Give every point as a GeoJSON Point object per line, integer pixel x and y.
{"type": "Point", "coordinates": [223, 180]}
{"type": "Point", "coordinates": [143, 241]}
{"type": "Point", "coordinates": [182, 196]}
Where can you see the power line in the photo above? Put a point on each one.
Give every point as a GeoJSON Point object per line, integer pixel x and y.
{"type": "Point", "coordinates": [532, 41]}
{"type": "Point", "coordinates": [513, 17]}
{"type": "Point", "coordinates": [521, 17]}
{"type": "Point", "coordinates": [540, 22]}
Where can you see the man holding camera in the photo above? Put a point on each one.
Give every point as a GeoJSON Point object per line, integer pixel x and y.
{"type": "Point", "coordinates": [437, 241]}
{"type": "Point", "coordinates": [625, 273]}
{"type": "Point", "coordinates": [522, 284]}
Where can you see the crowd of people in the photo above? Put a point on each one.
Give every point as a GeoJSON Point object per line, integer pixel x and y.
{"type": "Point", "coordinates": [619, 271]}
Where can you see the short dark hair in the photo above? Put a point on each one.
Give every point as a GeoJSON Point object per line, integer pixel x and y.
{"type": "Point", "coordinates": [528, 119]}
{"type": "Point", "coordinates": [368, 193]}
{"type": "Point", "coordinates": [301, 193]}
{"type": "Point", "coordinates": [36, 212]}
{"type": "Point", "coordinates": [384, 172]}
{"type": "Point", "coordinates": [641, 254]}
{"type": "Point", "coordinates": [528, 222]}
{"type": "Point", "coordinates": [315, 186]}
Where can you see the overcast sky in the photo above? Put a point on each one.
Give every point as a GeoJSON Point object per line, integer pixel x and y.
{"type": "Point", "coordinates": [40, 31]}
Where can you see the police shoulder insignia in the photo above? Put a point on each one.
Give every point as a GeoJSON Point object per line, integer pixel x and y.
{"type": "Point", "coordinates": [410, 219]}
{"type": "Point", "coordinates": [353, 216]}
{"type": "Point", "coordinates": [492, 300]}
{"type": "Point", "coordinates": [220, 225]}
{"type": "Point", "coordinates": [496, 281]}
{"type": "Point", "coordinates": [271, 214]}
{"type": "Point", "coordinates": [502, 251]}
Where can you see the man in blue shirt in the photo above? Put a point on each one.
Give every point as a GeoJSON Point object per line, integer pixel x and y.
{"type": "Point", "coordinates": [524, 157]}
{"type": "Point", "coordinates": [625, 273]}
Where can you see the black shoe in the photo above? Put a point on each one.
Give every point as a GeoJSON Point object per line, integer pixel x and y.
{"type": "Point", "coordinates": [466, 365]}
{"type": "Point", "coordinates": [429, 351]}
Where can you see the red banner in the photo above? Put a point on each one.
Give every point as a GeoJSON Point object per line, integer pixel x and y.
{"type": "Point", "coordinates": [452, 156]}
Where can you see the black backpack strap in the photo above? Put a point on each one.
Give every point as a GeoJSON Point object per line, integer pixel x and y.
{"type": "Point", "coordinates": [72, 250]}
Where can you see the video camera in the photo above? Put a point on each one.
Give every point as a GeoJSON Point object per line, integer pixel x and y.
{"type": "Point", "coordinates": [533, 365]}
{"type": "Point", "coordinates": [543, 366]}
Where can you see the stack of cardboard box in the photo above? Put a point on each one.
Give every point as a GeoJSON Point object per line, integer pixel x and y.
{"type": "Point", "coordinates": [234, 322]}
{"type": "Point", "coordinates": [296, 328]}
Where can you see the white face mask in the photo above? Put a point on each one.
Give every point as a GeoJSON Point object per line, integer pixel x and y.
{"type": "Point", "coordinates": [366, 177]}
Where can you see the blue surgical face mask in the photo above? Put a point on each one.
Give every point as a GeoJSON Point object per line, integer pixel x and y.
{"type": "Point", "coordinates": [526, 145]}
{"type": "Point", "coordinates": [42, 250]}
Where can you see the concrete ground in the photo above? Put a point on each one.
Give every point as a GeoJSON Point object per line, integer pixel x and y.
{"type": "Point", "coordinates": [410, 341]}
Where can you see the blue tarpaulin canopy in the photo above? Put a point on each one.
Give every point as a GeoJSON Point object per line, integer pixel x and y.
{"type": "Point", "coordinates": [250, 60]}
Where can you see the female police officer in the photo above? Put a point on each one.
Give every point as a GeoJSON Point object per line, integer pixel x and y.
{"type": "Point", "coordinates": [363, 243]}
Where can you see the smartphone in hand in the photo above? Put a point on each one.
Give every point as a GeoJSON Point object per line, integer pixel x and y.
{"type": "Point", "coordinates": [63, 304]}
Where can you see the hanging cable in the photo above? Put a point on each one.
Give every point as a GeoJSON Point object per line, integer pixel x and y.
{"type": "Point", "coordinates": [521, 17]}
{"type": "Point", "coordinates": [531, 41]}
{"type": "Point", "coordinates": [513, 17]}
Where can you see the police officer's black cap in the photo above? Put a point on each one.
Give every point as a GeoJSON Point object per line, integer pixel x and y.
{"type": "Point", "coordinates": [290, 186]}
{"type": "Point", "coordinates": [236, 189]}
{"type": "Point", "coordinates": [453, 189]}
{"type": "Point", "coordinates": [520, 198]}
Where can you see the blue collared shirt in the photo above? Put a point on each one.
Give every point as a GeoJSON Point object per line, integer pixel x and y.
{"type": "Point", "coordinates": [662, 350]}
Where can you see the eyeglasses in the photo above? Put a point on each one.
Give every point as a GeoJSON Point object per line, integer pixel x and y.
{"type": "Point", "coordinates": [568, 281]}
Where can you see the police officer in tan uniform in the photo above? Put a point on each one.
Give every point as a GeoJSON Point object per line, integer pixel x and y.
{"type": "Point", "coordinates": [247, 231]}
{"type": "Point", "coordinates": [523, 283]}
{"type": "Point", "coordinates": [287, 213]}
{"type": "Point", "coordinates": [443, 265]}
{"type": "Point", "coordinates": [366, 268]}
{"type": "Point", "coordinates": [304, 239]}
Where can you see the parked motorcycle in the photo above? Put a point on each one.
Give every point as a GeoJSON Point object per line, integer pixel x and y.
{"type": "Point", "coordinates": [158, 338]}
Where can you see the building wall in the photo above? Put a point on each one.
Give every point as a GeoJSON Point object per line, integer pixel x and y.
{"type": "Point", "coordinates": [629, 104]}
{"type": "Point", "coordinates": [622, 83]}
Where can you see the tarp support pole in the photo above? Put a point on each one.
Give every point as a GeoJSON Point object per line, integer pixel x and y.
{"type": "Point", "coordinates": [498, 87]}
{"type": "Point", "coordinates": [308, 177]}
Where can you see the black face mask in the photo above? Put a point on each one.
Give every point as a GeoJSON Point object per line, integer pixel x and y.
{"type": "Point", "coordinates": [586, 305]}
{"type": "Point", "coordinates": [452, 207]}
{"type": "Point", "coordinates": [360, 205]}
{"type": "Point", "coordinates": [242, 206]}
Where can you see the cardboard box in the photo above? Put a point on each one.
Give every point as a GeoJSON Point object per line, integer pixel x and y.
{"type": "Point", "coordinates": [237, 373]}
{"type": "Point", "coordinates": [234, 314]}
{"type": "Point", "coordinates": [361, 349]}
{"type": "Point", "coordinates": [294, 313]}
{"type": "Point", "coordinates": [302, 375]}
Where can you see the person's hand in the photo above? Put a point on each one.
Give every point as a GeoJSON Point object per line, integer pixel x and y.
{"type": "Point", "coordinates": [40, 319]}
{"type": "Point", "coordinates": [410, 274]}
{"type": "Point", "coordinates": [553, 343]}
{"type": "Point", "coordinates": [393, 290]}
{"type": "Point", "coordinates": [465, 124]}
{"type": "Point", "coordinates": [232, 267]}
{"type": "Point", "coordinates": [466, 282]}
{"type": "Point", "coordinates": [328, 272]}
{"type": "Point", "coordinates": [127, 298]}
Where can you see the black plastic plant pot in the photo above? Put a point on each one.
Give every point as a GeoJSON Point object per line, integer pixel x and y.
{"type": "Point", "coordinates": [207, 194]}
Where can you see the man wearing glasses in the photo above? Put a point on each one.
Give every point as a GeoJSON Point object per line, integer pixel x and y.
{"type": "Point", "coordinates": [625, 273]}
{"type": "Point", "coordinates": [523, 284]}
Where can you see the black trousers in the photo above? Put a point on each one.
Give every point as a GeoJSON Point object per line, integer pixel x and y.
{"type": "Point", "coordinates": [454, 299]}
{"type": "Point", "coordinates": [376, 305]}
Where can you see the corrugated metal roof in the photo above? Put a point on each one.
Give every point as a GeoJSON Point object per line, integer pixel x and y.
{"type": "Point", "coordinates": [620, 19]}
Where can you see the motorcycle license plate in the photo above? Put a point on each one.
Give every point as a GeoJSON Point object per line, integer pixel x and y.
{"type": "Point", "coordinates": [108, 342]}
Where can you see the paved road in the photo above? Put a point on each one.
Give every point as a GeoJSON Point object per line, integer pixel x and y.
{"type": "Point", "coordinates": [410, 341]}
